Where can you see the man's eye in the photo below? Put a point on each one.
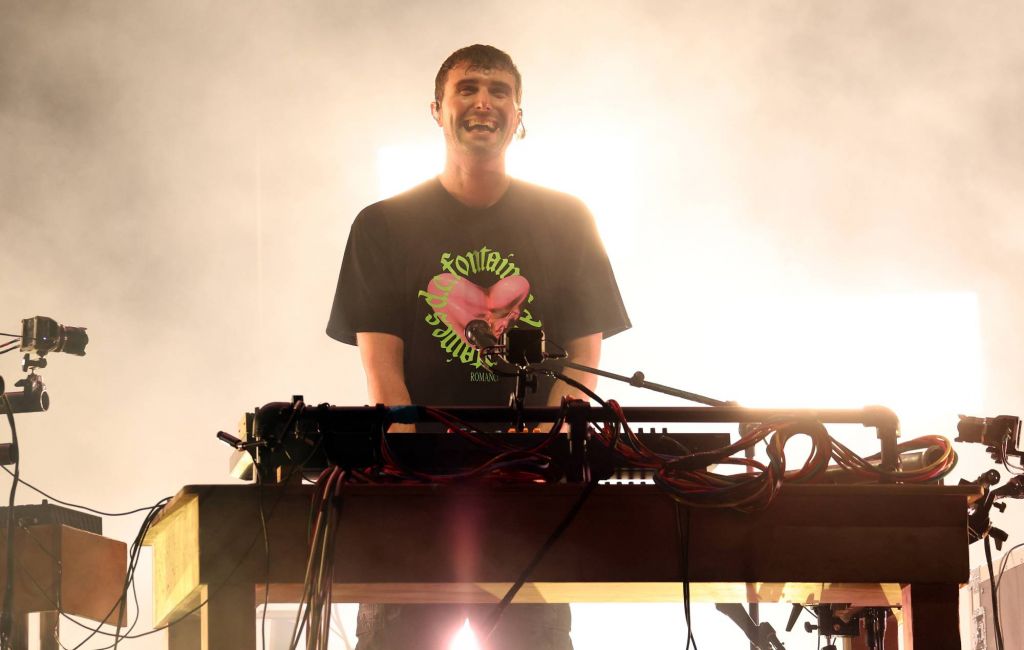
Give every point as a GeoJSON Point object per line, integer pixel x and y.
{"type": "Point", "coordinates": [467, 90]}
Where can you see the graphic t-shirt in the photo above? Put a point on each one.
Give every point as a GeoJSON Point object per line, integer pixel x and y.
{"type": "Point", "coordinates": [423, 266]}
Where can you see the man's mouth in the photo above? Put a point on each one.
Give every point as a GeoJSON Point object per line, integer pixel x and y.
{"type": "Point", "coordinates": [483, 126]}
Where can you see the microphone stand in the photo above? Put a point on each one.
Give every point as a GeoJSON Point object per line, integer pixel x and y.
{"type": "Point", "coordinates": [639, 381]}
{"type": "Point", "coordinates": [525, 379]}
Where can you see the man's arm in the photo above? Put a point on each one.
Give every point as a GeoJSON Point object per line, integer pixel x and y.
{"type": "Point", "coordinates": [385, 371]}
{"type": "Point", "coordinates": [586, 351]}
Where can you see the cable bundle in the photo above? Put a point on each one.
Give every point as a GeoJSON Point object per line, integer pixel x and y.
{"type": "Point", "coordinates": [683, 474]}
{"type": "Point", "coordinates": [314, 614]}
{"type": "Point", "coordinates": [11, 344]}
{"type": "Point", "coordinates": [933, 471]}
{"type": "Point", "coordinates": [686, 477]}
{"type": "Point", "coordinates": [134, 555]}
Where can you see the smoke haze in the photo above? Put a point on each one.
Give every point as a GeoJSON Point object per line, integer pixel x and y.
{"type": "Point", "coordinates": [180, 177]}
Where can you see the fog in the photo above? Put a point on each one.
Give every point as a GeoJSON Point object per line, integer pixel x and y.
{"type": "Point", "coordinates": [180, 177]}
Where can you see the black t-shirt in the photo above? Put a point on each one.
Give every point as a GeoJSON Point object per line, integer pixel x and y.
{"type": "Point", "coordinates": [421, 266]}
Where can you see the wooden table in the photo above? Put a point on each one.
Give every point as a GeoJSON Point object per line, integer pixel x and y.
{"type": "Point", "coordinates": [55, 565]}
{"type": "Point", "coordinates": [864, 545]}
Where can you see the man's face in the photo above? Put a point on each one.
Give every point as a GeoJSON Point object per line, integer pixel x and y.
{"type": "Point", "coordinates": [478, 112]}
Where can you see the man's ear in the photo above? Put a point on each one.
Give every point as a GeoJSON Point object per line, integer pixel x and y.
{"type": "Point", "coordinates": [435, 112]}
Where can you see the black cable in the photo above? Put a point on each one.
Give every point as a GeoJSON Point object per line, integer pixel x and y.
{"type": "Point", "coordinates": [266, 553]}
{"type": "Point", "coordinates": [576, 384]}
{"type": "Point", "coordinates": [46, 551]}
{"type": "Point", "coordinates": [303, 614]}
{"type": "Point", "coordinates": [992, 591]}
{"type": "Point", "coordinates": [16, 336]}
{"type": "Point", "coordinates": [121, 605]}
{"type": "Point", "coordinates": [492, 619]}
{"type": "Point", "coordinates": [314, 615]}
{"type": "Point", "coordinates": [684, 538]}
{"type": "Point", "coordinates": [134, 558]}
{"type": "Point", "coordinates": [76, 506]}
{"type": "Point", "coordinates": [201, 604]}
{"type": "Point", "coordinates": [1004, 453]}
{"type": "Point", "coordinates": [136, 552]}
{"type": "Point", "coordinates": [296, 468]}
{"type": "Point", "coordinates": [1002, 564]}
{"type": "Point", "coordinates": [129, 580]}
{"type": "Point", "coordinates": [1002, 567]}
{"type": "Point", "coordinates": [8, 587]}
{"type": "Point", "coordinates": [7, 615]}
{"type": "Point", "coordinates": [305, 603]}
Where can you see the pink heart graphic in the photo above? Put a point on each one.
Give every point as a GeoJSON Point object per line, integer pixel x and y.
{"type": "Point", "coordinates": [498, 305]}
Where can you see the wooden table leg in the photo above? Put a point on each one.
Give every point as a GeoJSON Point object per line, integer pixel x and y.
{"type": "Point", "coordinates": [49, 623]}
{"type": "Point", "coordinates": [229, 617]}
{"type": "Point", "coordinates": [185, 633]}
{"type": "Point", "coordinates": [931, 617]}
{"type": "Point", "coordinates": [19, 631]}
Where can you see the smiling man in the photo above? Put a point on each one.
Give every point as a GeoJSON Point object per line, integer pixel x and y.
{"type": "Point", "coordinates": [471, 248]}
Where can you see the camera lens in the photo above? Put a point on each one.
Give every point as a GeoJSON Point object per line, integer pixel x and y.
{"type": "Point", "coordinates": [72, 340]}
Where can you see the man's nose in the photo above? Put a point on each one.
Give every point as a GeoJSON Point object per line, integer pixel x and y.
{"type": "Point", "coordinates": [483, 100]}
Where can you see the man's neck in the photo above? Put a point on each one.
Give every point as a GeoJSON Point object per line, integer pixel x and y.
{"type": "Point", "coordinates": [477, 183]}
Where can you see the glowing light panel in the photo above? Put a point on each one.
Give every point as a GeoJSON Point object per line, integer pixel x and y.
{"type": "Point", "coordinates": [917, 353]}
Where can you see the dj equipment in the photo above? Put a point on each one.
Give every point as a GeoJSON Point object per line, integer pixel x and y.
{"type": "Point", "coordinates": [584, 443]}
{"type": "Point", "coordinates": [455, 516]}
{"type": "Point", "coordinates": [292, 434]}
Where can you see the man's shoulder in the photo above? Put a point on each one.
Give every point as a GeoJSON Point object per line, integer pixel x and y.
{"type": "Point", "coordinates": [534, 192]}
{"type": "Point", "coordinates": [407, 202]}
{"type": "Point", "coordinates": [546, 204]}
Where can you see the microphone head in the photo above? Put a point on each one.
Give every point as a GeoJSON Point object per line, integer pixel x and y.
{"type": "Point", "coordinates": [479, 334]}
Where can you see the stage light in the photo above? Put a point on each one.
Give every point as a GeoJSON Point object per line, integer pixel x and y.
{"type": "Point", "coordinates": [918, 353]}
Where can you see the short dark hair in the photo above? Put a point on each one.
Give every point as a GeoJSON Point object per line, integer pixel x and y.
{"type": "Point", "coordinates": [479, 56]}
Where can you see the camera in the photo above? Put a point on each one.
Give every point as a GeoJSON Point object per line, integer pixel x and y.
{"type": "Point", "coordinates": [42, 335]}
{"type": "Point", "coordinates": [1001, 433]}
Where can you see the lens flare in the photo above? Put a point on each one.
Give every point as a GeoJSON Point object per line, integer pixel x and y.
{"type": "Point", "coordinates": [464, 639]}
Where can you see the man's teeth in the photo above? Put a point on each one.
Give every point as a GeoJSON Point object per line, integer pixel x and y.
{"type": "Point", "coordinates": [485, 126]}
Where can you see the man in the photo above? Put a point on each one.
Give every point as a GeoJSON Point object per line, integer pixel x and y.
{"type": "Point", "coordinates": [471, 245]}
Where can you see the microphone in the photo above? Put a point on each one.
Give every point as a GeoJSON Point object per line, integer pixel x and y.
{"type": "Point", "coordinates": [479, 335]}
